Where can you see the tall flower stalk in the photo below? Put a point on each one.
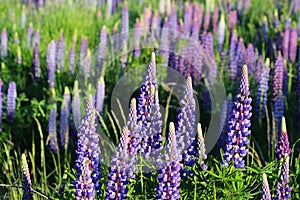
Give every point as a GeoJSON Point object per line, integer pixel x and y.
{"type": "Point", "coordinates": [169, 175]}
{"type": "Point", "coordinates": [283, 145]}
{"type": "Point", "coordinates": [238, 125]}
{"type": "Point", "coordinates": [1, 103]}
{"type": "Point", "coordinates": [26, 181]}
{"type": "Point", "coordinates": [52, 137]}
{"type": "Point", "coordinates": [120, 167]}
{"type": "Point", "coordinates": [88, 153]}
{"type": "Point", "coordinates": [64, 119]}
{"type": "Point", "coordinates": [11, 101]}
{"type": "Point", "coordinates": [266, 195]}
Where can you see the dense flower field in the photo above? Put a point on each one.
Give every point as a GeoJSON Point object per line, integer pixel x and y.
{"type": "Point", "coordinates": [150, 99]}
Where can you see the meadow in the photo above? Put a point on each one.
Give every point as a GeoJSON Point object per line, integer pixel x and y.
{"type": "Point", "coordinates": [146, 99]}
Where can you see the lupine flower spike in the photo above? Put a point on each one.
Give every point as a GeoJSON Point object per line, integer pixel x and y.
{"type": "Point", "coordinates": [120, 167]}
{"type": "Point", "coordinates": [266, 195]}
{"type": "Point", "coordinates": [52, 137]}
{"type": "Point", "coordinates": [26, 181]}
{"type": "Point", "coordinates": [11, 101]}
{"type": "Point", "coordinates": [88, 153]}
{"type": "Point", "coordinates": [283, 190]}
{"type": "Point", "coordinates": [100, 94]}
{"type": "Point", "coordinates": [169, 175]}
{"type": "Point", "coordinates": [201, 148]}
{"type": "Point", "coordinates": [76, 105]}
{"type": "Point", "coordinates": [64, 119]}
{"type": "Point", "coordinates": [238, 126]}
{"type": "Point", "coordinates": [4, 42]}
{"type": "Point", "coordinates": [36, 70]}
{"type": "Point", "coordinates": [51, 63]}
{"type": "Point", "coordinates": [283, 145]}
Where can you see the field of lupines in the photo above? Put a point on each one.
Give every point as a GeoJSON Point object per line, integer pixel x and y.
{"type": "Point", "coordinates": [150, 99]}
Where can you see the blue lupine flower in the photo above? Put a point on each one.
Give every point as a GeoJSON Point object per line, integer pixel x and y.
{"type": "Point", "coordinates": [266, 195]}
{"type": "Point", "coordinates": [283, 145]}
{"type": "Point", "coordinates": [88, 153]}
{"type": "Point", "coordinates": [250, 58]}
{"type": "Point", "coordinates": [76, 105]}
{"type": "Point", "coordinates": [261, 95]}
{"type": "Point", "coordinates": [238, 125]}
{"type": "Point", "coordinates": [64, 119]}
{"type": "Point", "coordinates": [60, 53]}
{"type": "Point", "coordinates": [102, 48]}
{"type": "Point", "coordinates": [100, 94]}
{"type": "Point", "coordinates": [26, 181]}
{"type": "Point", "coordinates": [119, 170]}
{"type": "Point", "coordinates": [164, 45]}
{"type": "Point", "coordinates": [169, 175]}
{"type": "Point", "coordinates": [221, 32]}
{"type": "Point", "coordinates": [232, 56]}
{"type": "Point", "coordinates": [36, 67]}
{"type": "Point", "coordinates": [201, 148]}
{"type": "Point", "coordinates": [36, 38]}
{"type": "Point", "coordinates": [51, 63]}
{"type": "Point", "coordinates": [136, 39]}
{"type": "Point", "coordinates": [187, 19]}
{"type": "Point", "coordinates": [4, 42]}
{"type": "Point", "coordinates": [52, 137]}
{"type": "Point", "coordinates": [11, 101]}
{"type": "Point", "coordinates": [124, 24]}
{"type": "Point", "coordinates": [283, 190]}
{"type": "Point", "coordinates": [82, 52]}
{"type": "Point", "coordinates": [71, 67]}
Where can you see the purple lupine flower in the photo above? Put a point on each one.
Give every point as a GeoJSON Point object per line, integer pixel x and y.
{"type": "Point", "coordinates": [250, 57]}
{"type": "Point", "coordinates": [85, 188]}
{"type": "Point", "coordinates": [60, 53]}
{"type": "Point", "coordinates": [26, 181]}
{"type": "Point", "coordinates": [119, 169]}
{"type": "Point", "coordinates": [169, 175]}
{"type": "Point", "coordinates": [173, 25]}
{"type": "Point", "coordinates": [238, 126]}
{"type": "Point", "coordinates": [72, 55]}
{"type": "Point", "coordinates": [215, 19]}
{"type": "Point", "coordinates": [258, 68]}
{"type": "Point", "coordinates": [102, 48]}
{"type": "Point", "coordinates": [52, 137]}
{"type": "Point", "coordinates": [241, 54]}
{"type": "Point", "coordinates": [51, 63]}
{"type": "Point", "coordinates": [164, 45]}
{"type": "Point", "coordinates": [283, 145]}
{"type": "Point", "coordinates": [100, 94]}
{"type": "Point", "coordinates": [201, 148]}
{"type": "Point", "coordinates": [286, 42]}
{"type": "Point", "coordinates": [187, 19]}
{"type": "Point", "coordinates": [197, 16]}
{"type": "Point", "coordinates": [1, 102]}
{"type": "Point", "coordinates": [298, 89]}
{"type": "Point", "coordinates": [4, 42]}
{"type": "Point", "coordinates": [262, 91]}
{"type": "Point", "coordinates": [87, 65]}
{"type": "Point", "coordinates": [283, 190]}
{"type": "Point", "coordinates": [265, 195]}
{"type": "Point", "coordinates": [293, 45]}
{"type": "Point", "coordinates": [206, 20]}
{"type": "Point", "coordinates": [64, 119]}
{"type": "Point", "coordinates": [265, 28]}
{"type": "Point", "coordinates": [124, 55]}
{"type": "Point", "coordinates": [223, 60]}
{"type": "Point", "coordinates": [186, 125]}
{"type": "Point", "coordinates": [19, 55]}
{"type": "Point", "coordinates": [232, 56]}
{"type": "Point", "coordinates": [295, 6]}
{"type": "Point", "coordinates": [11, 101]}
{"type": "Point", "coordinates": [221, 32]}
{"type": "Point", "coordinates": [82, 52]}
{"type": "Point", "coordinates": [277, 92]}
{"type": "Point", "coordinates": [124, 24]}
{"type": "Point", "coordinates": [88, 150]}
{"type": "Point", "coordinates": [232, 19]}
{"type": "Point", "coordinates": [134, 136]}
{"type": "Point", "coordinates": [247, 5]}
{"type": "Point", "coordinates": [36, 38]}
{"type": "Point", "coordinates": [137, 38]}
{"type": "Point", "coordinates": [29, 35]}
{"type": "Point", "coordinates": [76, 111]}
{"type": "Point", "coordinates": [36, 67]}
